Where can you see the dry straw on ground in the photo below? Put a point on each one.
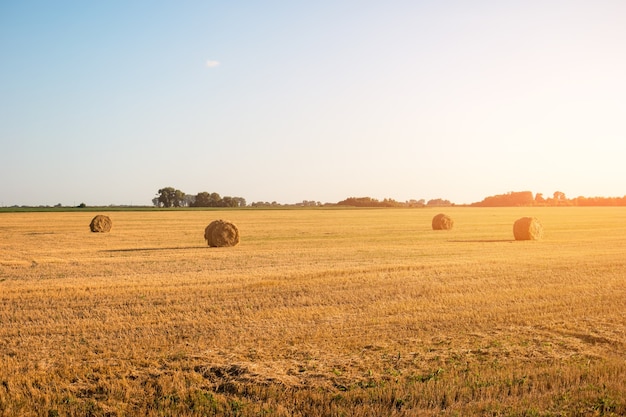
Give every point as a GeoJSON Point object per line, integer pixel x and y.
{"type": "Point", "coordinates": [318, 313]}
{"type": "Point", "coordinates": [527, 228]}
{"type": "Point", "coordinates": [101, 223]}
{"type": "Point", "coordinates": [442, 222]}
{"type": "Point", "coordinates": [221, 233]}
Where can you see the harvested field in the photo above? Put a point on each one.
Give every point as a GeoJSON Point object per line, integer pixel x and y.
{"type": "Point", "coordinates": [315, 312]}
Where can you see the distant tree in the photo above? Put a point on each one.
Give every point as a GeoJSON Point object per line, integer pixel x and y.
{"type": "Point", "coordinates": [309, 203]}
{"type": "Point", "coordinates": [165, 197]}
{"type": "Point", "coordinates": [559, 196]}
{"type": "Point", "coordinates": [390, 202]}
{"type": "Point", "coordinates": [438, 202]}
{"type": "Point", "coordinates": [171, 197]}
{"type": "Point", "coordinates": [601, 201]}
{"type": "Point", "coordinates": [369, 202]}
{"type": "Point", "coordinates": [359, 202]}
{"type": "Point", "coordinates": [265, 204]}
{"type": "Point", "coordinates": [416, 203]}
{"type": "Point", "coordinates": [189, 200]}
{"type": "Point", "coordinates": [539, 199]}
{"type": "Point", "coordinates": [203, 199]}
{"type": "Point", "coordinates": [523, 198]}
{"type": "Point", "coordinates": [512, 199]}
{"type": "Point", "coordinates": [179, 199]}
{"type": "Point", "coordinates": [228, 202]}
{"type": "Point", "coordinates": [558, 199]}
{"type": "Point", "coordinates": [215, 200]}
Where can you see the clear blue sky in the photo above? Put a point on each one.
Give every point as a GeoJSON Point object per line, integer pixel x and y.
{"type": "Point", "coordinates": [106, 102]}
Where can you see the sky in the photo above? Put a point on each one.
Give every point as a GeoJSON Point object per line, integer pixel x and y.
{"type": "Point", "coordinates": [108, 102]}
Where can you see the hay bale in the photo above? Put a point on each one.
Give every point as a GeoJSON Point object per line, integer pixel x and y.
{"type": "Point", "coordinates": [442, 222]}
{"type": "Point", "coordinates": [101, 223]}
{"type": "Point", "coordinates": [221, 233]}
{"type": "Point", "coordinates": [527, 228]}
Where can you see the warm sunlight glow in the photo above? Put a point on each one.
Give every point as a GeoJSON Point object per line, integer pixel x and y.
{"type": "Point", "coordinates": [319, 101]}
{"type": "Point", "coordinates": [329, 312]}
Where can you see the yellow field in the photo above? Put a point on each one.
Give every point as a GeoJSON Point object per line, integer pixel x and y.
{"type": "Point", "coordinates": [315, 312]}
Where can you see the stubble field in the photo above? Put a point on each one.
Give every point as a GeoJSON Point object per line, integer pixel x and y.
{"type": "Point", "coordinates": [315, 312]}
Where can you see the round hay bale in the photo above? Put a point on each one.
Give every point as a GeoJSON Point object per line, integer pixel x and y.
{"type": "Point", "coordinates": [527, 228]}
{"type": "Point", "coordinates": [442, 222]}
{"type": "Point", "coordinates": [221, 233]}
{"type": "Point", "coordinates": [101, 223]}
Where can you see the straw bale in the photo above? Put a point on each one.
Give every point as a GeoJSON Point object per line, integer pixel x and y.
{"type": "Point", "coordinates": [101, 223]}
{"type": "Point", "coordinates": [221, 233]}
{"type": "Point", "coordinates": [442, 222]}
{"type": "Point", "coordinates": [527, 228]}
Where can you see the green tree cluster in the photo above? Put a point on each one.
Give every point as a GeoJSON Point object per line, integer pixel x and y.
{"type": "Point", "coordinates": [171, 197]}
{"type": "Point", "coordinates": [368, 202]}
{"type": "Point", "coordinates": [389, 202]}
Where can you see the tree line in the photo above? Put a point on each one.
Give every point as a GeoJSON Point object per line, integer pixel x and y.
{"type": "Point", "coordinates": [389, 202]}
{"type": "Point", "coordinates": [527, 198]}
{"type": "Point", "coordinates": [171, 197]}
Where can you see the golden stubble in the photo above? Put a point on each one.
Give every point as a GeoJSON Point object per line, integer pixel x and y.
{"type": "Point", "coordinates": [324, 302]}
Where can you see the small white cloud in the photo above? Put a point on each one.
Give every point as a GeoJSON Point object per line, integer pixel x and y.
{"type": "Point", "coordinates": [212, 64]}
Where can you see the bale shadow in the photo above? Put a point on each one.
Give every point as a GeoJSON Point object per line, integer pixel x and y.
{"type": "Point", "coordinates": [152, 249]}
{"type": "Point", "coordinates": [483, 241]}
